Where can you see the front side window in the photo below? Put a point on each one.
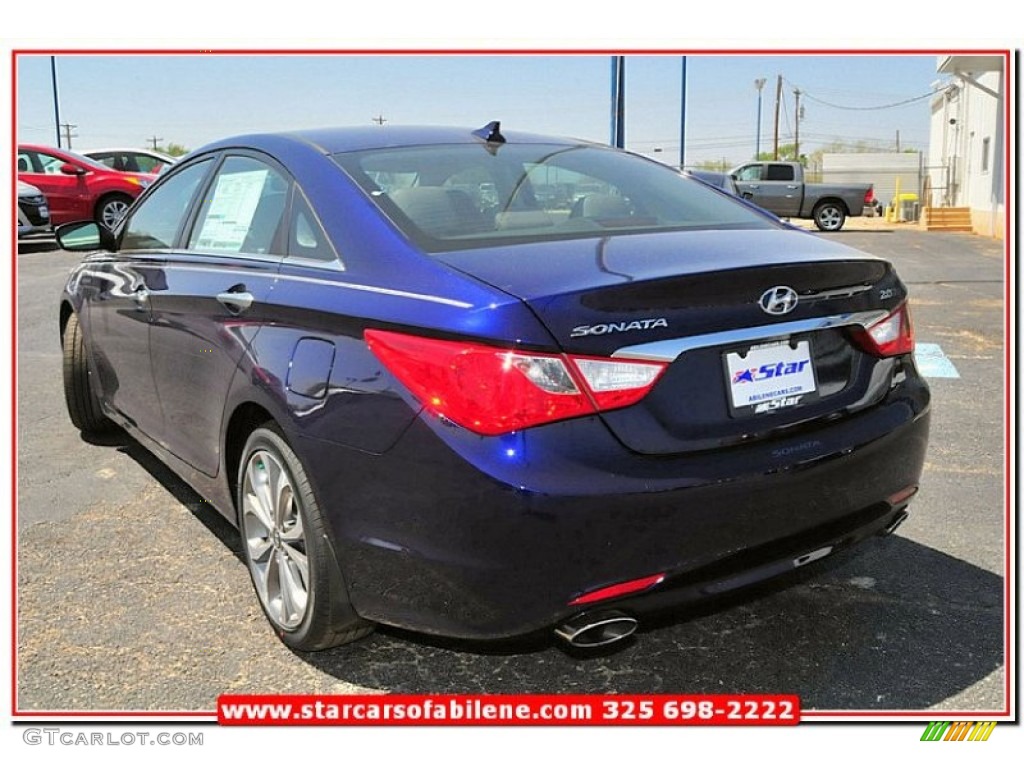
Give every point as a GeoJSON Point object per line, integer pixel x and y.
{"type": "Point", "coordinates": [243, 211]}
{"type": "Point", "coordinates": [156, 221]}
{"type": "Point", "coordinates": [44, 163]}
{"type": "Point", "coordinates": [452, 197]}
{"type": "Point", "coordinates": [143, 163]}
{"type": "Point", "coordinates": [750, 173]}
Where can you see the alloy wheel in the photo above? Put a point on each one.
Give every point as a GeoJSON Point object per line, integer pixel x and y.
{"type": "Point", "coordinates": [275, 539]}
{"type": "Point", "coordinates": [113, 212]}
{"type": "Point", "coordinates": [830, 218]}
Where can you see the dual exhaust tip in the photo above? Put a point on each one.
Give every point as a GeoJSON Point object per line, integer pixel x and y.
{"type": "Point", "coordinates": [596, 629]}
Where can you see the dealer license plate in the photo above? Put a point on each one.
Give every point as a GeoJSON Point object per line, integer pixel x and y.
{"type": "Point", "coordinates": [769, 377]}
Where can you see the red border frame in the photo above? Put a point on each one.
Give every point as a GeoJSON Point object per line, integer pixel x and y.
{"type": "Point", "coordinates": [1008, 448]}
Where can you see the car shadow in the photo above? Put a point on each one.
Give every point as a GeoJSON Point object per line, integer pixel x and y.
{"type": "Point", "coordinates": [37, 245]}
{"type": "Point", "coordinates": [890, 625]}
{"type": "Point", "coordinates": [899, 626]}
{"type": "Point", "coordinates": [213, 521]}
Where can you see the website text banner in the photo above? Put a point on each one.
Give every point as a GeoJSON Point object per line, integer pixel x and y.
{"type": "Point", "coordinates": [532, 709]}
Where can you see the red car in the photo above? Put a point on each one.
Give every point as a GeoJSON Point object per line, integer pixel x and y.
{"type": "Point", "coordinates": [79, 188]}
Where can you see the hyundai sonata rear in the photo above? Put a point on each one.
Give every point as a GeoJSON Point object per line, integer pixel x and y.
{"type": "Point", "coordinates": [482, 385]}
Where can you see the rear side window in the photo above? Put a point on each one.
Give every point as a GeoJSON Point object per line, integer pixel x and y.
{"type": "Point", "coordinates": [156, 221]}
{"type": "Point", "coordinates": [107, 158]}
{"type": "Point", "coordinates": [307, 239]}
{"type": "Point", "coordinates": [780, 173]}
{"type": "Point", "coordinates": [243, 211]}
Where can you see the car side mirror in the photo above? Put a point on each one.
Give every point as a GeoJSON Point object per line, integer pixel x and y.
{"type": "Point", "coordinates": [72, 170]}
{"type": "Point", "coordinates": [734, 176]}
{"type": "Point", "coordinates": [85, 236]}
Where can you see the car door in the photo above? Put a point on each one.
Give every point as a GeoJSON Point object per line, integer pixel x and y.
{"type": "Point", "coordinates": [213, 300]}
{"type": "Point", "coordinates": [68, 194]}
{"type": "Point", "coordinates": [119, 287]}
{"type": "Point", "coordinates": [776, 189]}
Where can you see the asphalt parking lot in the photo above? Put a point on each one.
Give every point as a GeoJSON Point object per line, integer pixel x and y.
{"type": "Point", "coordinates": [132, 594]}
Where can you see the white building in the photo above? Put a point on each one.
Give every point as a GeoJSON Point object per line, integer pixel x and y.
{"type": "Point", "coordinates": [968, 140]}
{"type": "Point", "coordinates": [885, 171]}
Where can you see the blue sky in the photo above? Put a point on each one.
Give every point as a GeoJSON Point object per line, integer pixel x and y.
{"type": "Point", "coordinates": [122, 100]}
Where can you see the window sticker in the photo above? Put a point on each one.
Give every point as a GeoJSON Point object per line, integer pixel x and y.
{"type": "Point", "coordinates": [231, 211]}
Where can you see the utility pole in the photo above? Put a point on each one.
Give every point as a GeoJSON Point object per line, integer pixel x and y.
{"type": "Point", "coordinates": [682, 116]}
{"type": "Point", "coordinates": [778, 103]}
{"type": "Point", "coordinates": [897, 140]}
{"type": "Point", "coordinates": [379, 119]}
{"type": "Point", "coordinates": [618, 102]}
{"type": "Point", "coordinates": [796, 137]}
{"type": "Point", "coordinates": [56, 101]}
{"type": "Point", "coordinates": [68, 136]}
{"type": "Point", "coordinates": [155, 140]}
{"type": "Point", "coordinates": [759, 84]}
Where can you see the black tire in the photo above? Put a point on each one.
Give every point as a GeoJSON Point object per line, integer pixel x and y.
{"type": "Point", "coordinates": [83, 405]}
{"type": "Point", "coordinates": [112, 208]}
{"type": "Point", "coordinates": [829, 216]}
{"type": "Point", "coordinates": [273, 553]}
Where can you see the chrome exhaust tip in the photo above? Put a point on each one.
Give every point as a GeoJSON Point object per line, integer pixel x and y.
{"type": "Point", "coordinates": [896, 523]}
{"type": "Point", "coordinates": [596, 629]}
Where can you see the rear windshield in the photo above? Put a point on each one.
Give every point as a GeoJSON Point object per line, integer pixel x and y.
{"type": "Point", "coordinates": [451, 197]}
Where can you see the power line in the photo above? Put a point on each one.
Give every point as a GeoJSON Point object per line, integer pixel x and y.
{"type": "Point", "coordinates": [806, 95]}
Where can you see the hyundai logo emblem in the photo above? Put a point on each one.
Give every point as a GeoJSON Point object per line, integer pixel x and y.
{"type": "Point", "coordinates": [779, 300]}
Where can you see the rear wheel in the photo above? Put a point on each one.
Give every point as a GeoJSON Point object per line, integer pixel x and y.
{"type": "Point", "coordinates": [829, 217]}
{"type": "Point", "coordinates": [286, 545]}
{"type": "Point", "coordinates": [79, 395]}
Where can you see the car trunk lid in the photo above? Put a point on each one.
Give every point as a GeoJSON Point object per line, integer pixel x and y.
{"type": "Point", "coordinates": [695, 301]}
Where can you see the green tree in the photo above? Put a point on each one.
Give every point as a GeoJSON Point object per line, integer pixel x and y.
{"type": "Point", "coordinates": [174, 150]}
{"type": "Point", "coordinates": [787, 153]}
{"type": "Point", "coordinates": [713, 165]}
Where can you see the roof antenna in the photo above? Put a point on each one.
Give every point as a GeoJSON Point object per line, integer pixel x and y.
{"type": "Point", "coordinates": [491, 133]}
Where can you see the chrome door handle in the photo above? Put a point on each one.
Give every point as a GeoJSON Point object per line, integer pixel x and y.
{"type": "Point", "coordinates": [753, 186]}
{"type": "Point", "coordinates": [140, 296]}
{"type": "Point", "coordinates": [792, 186]}
{"type": "Point", "coordinates": [235, 302]}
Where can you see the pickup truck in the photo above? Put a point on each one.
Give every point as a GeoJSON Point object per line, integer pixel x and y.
{"type": "Point", "coordinates": [779, 187]}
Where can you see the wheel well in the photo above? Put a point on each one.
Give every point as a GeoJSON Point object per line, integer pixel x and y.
{"type": "Point", "coordinates": [835, 201]}
{"type": "Point", "coordinates": [246, 418]}
{"type": "Point", "coordinates": [65, 313]}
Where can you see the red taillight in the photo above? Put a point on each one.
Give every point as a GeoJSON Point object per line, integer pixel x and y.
{"type": "Point", "coordinates": [869, 196]}
{"type": "Point", "coordinates": [892, 335]}
{"type": "Point", "coordinates": [492, 391]}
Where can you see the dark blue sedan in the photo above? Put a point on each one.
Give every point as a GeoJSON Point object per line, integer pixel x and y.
{"type": "Point", "coordinates": [480, 384]}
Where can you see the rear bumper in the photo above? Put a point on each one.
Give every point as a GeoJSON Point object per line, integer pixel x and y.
{"type": "Point", "coordinates": [436, 536]}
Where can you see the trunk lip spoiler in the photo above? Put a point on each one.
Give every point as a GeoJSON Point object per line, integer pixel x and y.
{"type": "Point", "coordinates": [667, 350]}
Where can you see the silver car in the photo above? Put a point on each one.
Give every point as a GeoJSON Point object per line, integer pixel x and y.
{"type": "Point", "coordinates": [33, 210]}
